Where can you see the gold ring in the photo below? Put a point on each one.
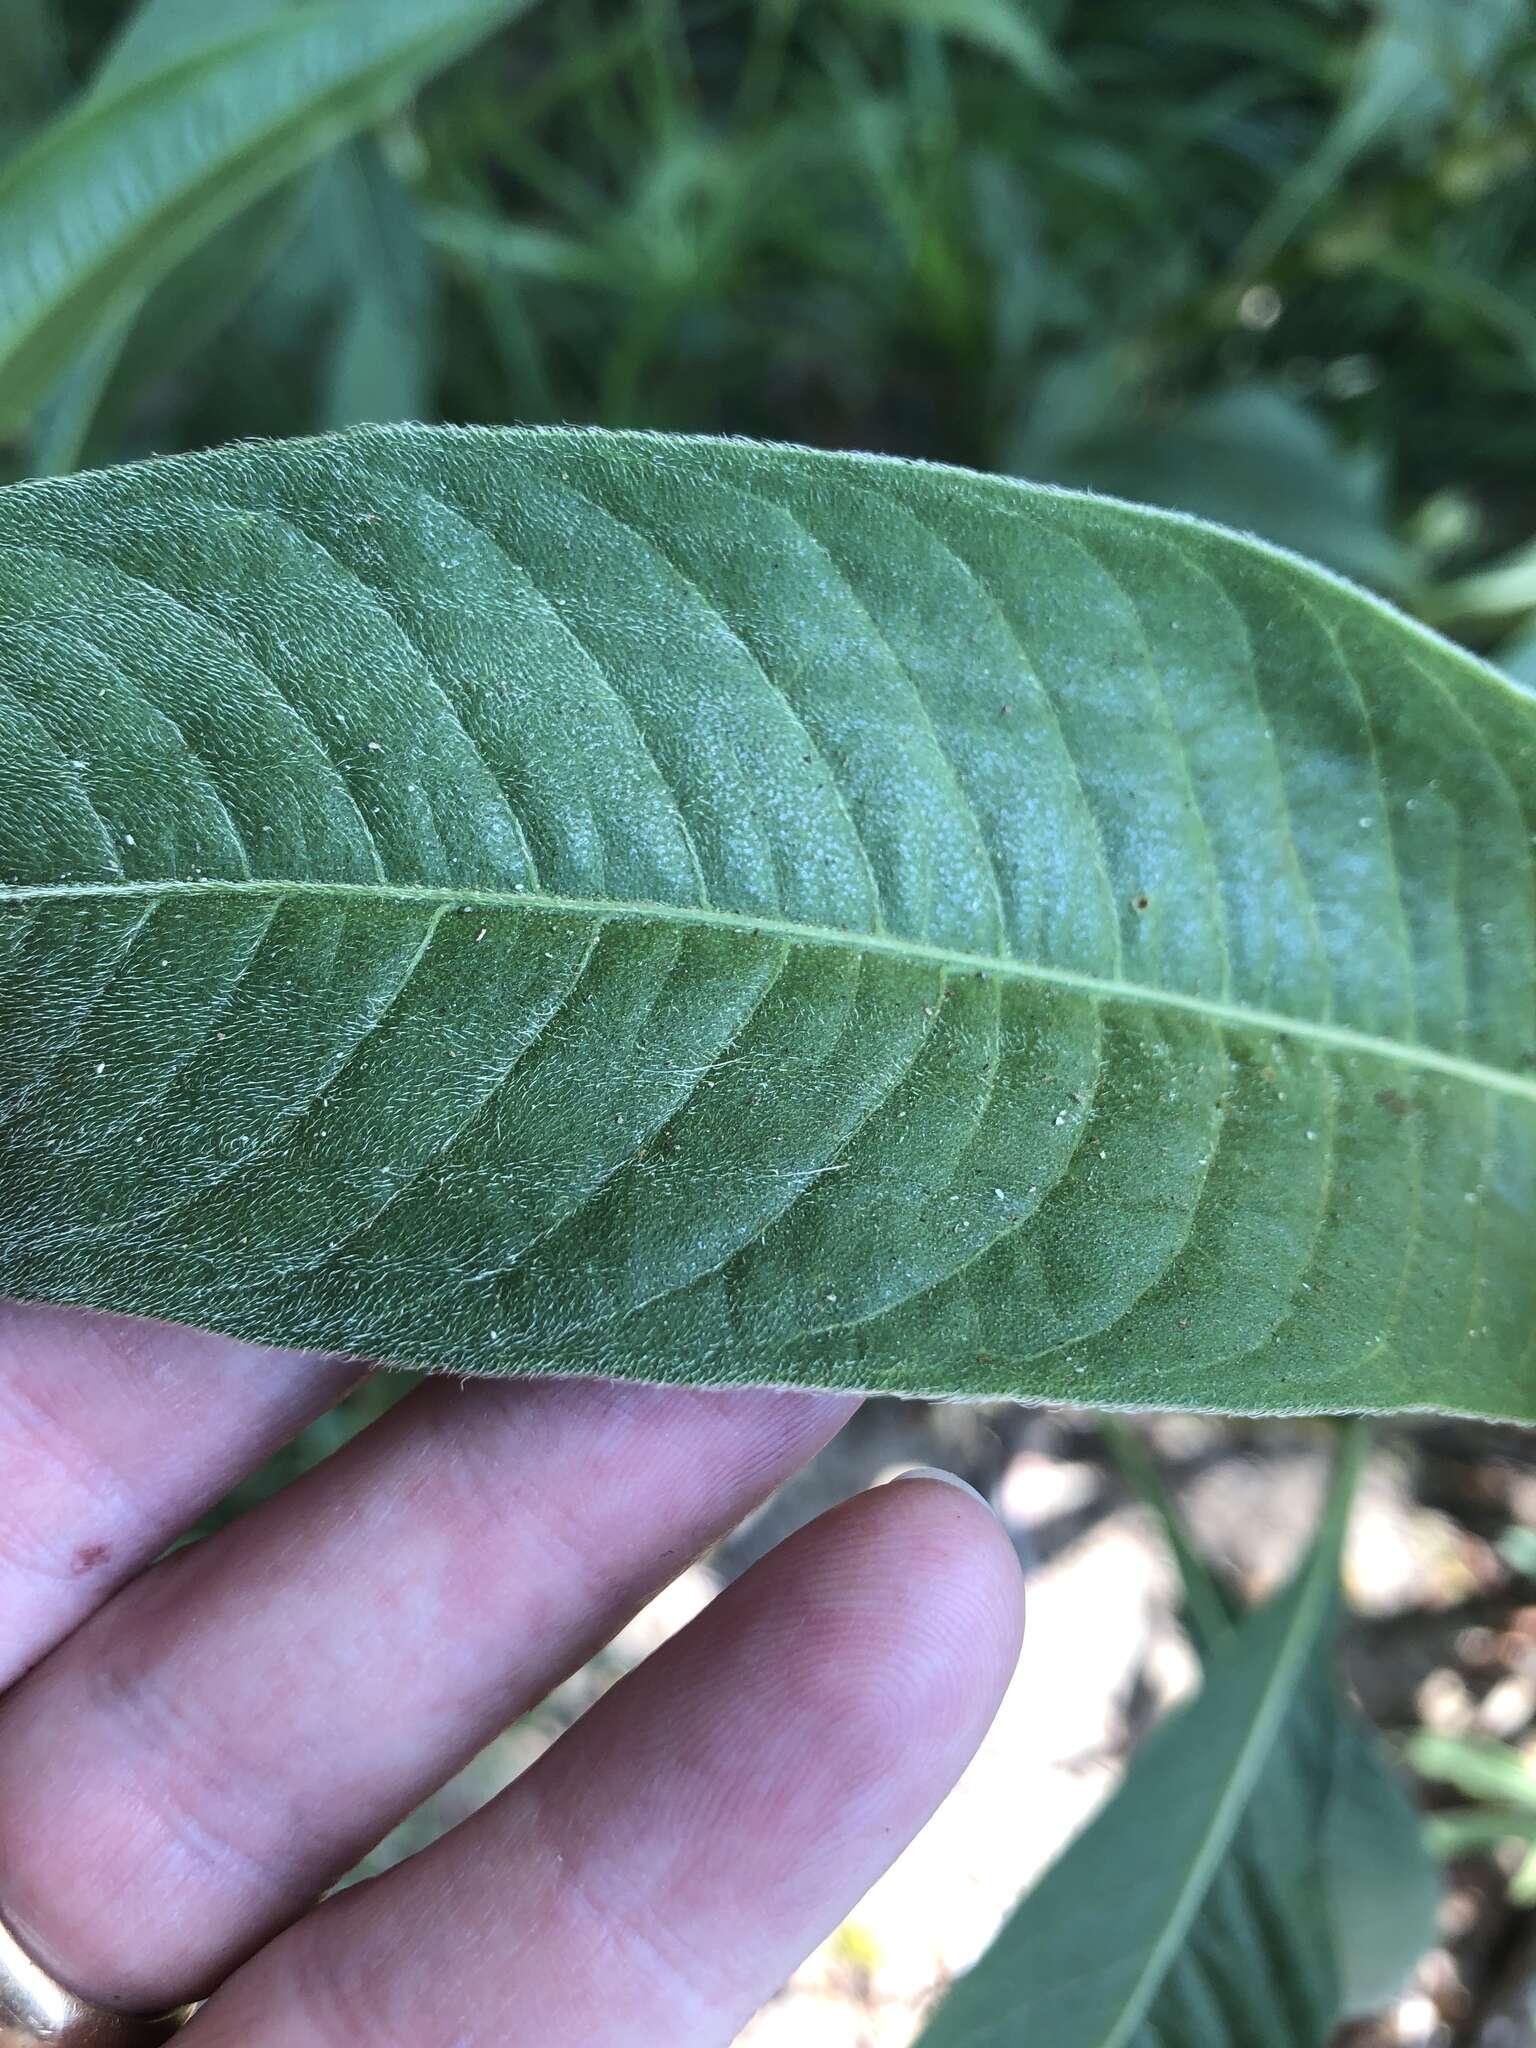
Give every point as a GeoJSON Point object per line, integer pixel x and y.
{"type": "Point", "coordinates": [36, 2011]}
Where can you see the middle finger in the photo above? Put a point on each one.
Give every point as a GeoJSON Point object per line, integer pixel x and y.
{"type": "Point", "coordinates": [230, 1734]}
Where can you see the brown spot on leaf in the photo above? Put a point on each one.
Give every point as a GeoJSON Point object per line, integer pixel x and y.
{"type": "Point", "coordinates": [1395, 1104]}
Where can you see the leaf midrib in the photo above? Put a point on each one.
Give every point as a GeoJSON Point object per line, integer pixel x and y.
{"type": "Point", "coordinates": [1330, 1037]}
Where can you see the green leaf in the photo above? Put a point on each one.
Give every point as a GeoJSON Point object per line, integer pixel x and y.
{"type": "Point", "coordinates": [1203, 1905]}
{"type": "Point", "coordinates": [157, 331]}
{"type": "Point", "coordinates": [1002, 28]}
{"type": "Point", "coordinates": [1206, 1612]}
{"type": "Point", "coordinates": [1417, 64]}
{"type": "Point", "coordinates": [63, 425]}
{"type": "Point", "coordinates": [1381, 1887]}
{"type": "Point", "coordinates": [540, 900]}
{"type": "Point", "coordinates": [164, 32]}
{"type": "Point", "coordinates": [1483, 1770]}
{"type": "Point", "coordinates": [1476, 1766]}
{"type": "Point", "coordinates": [1507, 590]}
{"type": "Point", "coordinates": [381, 365]}
{"type": "Point", "coordinates": [1478, 1831]}
{"type": "Point", "coordinates": [1251, 457]}
{"type": "Point", "coordinates": [174, 326]}
{"type": "Point", "coordinates": [1379, 1878]}
{"type": "Point", "coordinates": [207, 133]}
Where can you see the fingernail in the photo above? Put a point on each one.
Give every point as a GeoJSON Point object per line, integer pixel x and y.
{"type": "Point", "coordinates": [945, 1479]}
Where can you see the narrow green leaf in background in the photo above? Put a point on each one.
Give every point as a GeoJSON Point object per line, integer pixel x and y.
{"type": "Point", "coordinates": [1380, 1882]}
{"type": "Point", "coordinates": [1382, 1889]}
{"type": "Point", "coordinates": [1477, 1766]}
{"type": "Point", "coordinates": [548, 900]}
{"type": "Point", "coordinates": [1003, 28]}
{"type": "Point", "coordinates": [169, 328]}
{"type": "Point", "coordinates": [1417, 65]}
{"type": "Point", "coordinates": [153, 333]}
{"type": "Point", "coordinates": [1501, 1778]}
{"type": "Point", "coordinates": [160, 33]}
{"type": "Point", "coordinates": [383, 348]}
{"type": "Point", "coordinates": [1216, 1900]}
{"type": "Point", "coordinates": [1207, 1611]}
{"type": "Point", "coordinates": [208, 133]}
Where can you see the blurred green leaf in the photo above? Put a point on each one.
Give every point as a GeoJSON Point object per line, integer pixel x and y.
{"type": "Point", "coordinates": [1414, 65]}
{"type": "Point", "coordinates": [383, 351]}
{"type": "Point", "coordinates": [1503, 1780]}
{"type": "Point", "coordinates": [1503, 590]}
{"type": "Point", "coordinates": [1004, 28]}
{"type": "Point", "coordinates": [483, 243]}
{"type": "Point", "coordinates": [159, 33]}
{"type": "Point", "coordinates": [1476, 1766]}
{"type": "Point", "coordinates": [161, 328]}
{"type": "Point", "coordinates": [1210, 1903]}
{"type": "Point", "coordinates": [1207, 1615]}
{"type": "Point", "coordinates": [1383, 1890]}
{"type": "Point", "coordinates": [171, 326]}
{"type": "Point", "coordinates": [207, 137]}
{"type": "Point", "coordinates": [1382, 1886]}
{"type": "Point", "coordinates": [1252, 458]}
{"type": "Point", "coordinates": [1478, 1831]}
{"type": "Point", "coordinates": [876, 240]}
{"type": "Point", "coordinates": [61, 428]}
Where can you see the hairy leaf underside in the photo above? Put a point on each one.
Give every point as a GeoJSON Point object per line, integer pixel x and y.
{"type": "Point", "coordinates": [563, 901]}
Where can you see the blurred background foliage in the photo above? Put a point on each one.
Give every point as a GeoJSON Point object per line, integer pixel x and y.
{"type": "Point", "coordinates": [1274, 262]}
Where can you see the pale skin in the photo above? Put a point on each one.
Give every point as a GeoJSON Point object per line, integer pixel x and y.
{"type": "Point", "coordinates": [192, 1751]}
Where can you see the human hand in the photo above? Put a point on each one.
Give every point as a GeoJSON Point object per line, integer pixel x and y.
{"type": "Point", "coordinates": [191, 1751]}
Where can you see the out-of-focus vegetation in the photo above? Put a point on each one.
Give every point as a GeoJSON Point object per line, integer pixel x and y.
{"type": "Point", "coordinates": [1496, 1780]}
{"type": "Point", "coordinates": [1274, 262]}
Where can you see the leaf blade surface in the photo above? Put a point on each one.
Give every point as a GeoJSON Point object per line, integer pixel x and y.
{"type": "Point", "coordinates": [708, 911]}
